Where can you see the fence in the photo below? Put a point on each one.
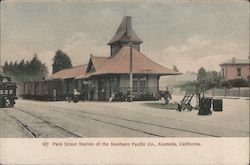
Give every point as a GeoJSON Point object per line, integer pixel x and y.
{"type": "Point", "coordinates": [232, 92]}
{"type": "Point", "coordinates": [224, 92]}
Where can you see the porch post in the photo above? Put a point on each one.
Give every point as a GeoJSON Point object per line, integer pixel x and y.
{"type": "Point", "coordinates": [131, 73]}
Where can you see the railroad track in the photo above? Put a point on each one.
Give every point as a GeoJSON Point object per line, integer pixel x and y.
{"type": "Point", "coordinates": [134, 121]}
{"type": "Point", "coordinates": [33, 133]}
{"type": "Point", "coordinates": [24, 126]}
{"type": "Point", "coordinates": [97, 120]}
{"type": "Point", "coordinates": [85, 113]}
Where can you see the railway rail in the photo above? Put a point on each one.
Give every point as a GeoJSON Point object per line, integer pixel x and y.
{"type": "Point", "coordinates": [24, 127]}
{"type": "Point", "coordinates": [97, 120]}
{"type": "Point", "coordinates": [138, 122]}
{"type": "Point", "coordinates": [85, 114]}
{"type": "Point", "coordinates": [35, 134]}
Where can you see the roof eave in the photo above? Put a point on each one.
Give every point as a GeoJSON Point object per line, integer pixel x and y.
{"type": "Point", "coordinates": [119, 41]}
{"type": "Point", "coordinates": [159, 74]}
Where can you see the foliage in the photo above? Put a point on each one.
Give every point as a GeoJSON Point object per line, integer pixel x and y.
{"type": "Point", "coordinates": [202, 74]}
{"type": "Point", "coordinates": [26, 70]}
{"type": "Point", "coordinates": [175, 69]}
{"type": "Point", "coordinates": [61, 61]}
{"type": "Point", "coordinates": [239, 82]}
{"type": "Point", "coordinates": [205, 81]}
{"type": "Point", "coordinates": [188, 86]}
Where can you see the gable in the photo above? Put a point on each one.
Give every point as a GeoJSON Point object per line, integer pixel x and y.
{"type": "Point", "coordinates": [90, 67]}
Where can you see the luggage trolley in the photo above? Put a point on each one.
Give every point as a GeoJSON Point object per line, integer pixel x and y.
{"type": "Point", "coordinates": [186, 102]}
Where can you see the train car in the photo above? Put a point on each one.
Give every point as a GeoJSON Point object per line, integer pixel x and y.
{"type": "Point", "coordinates": [47, 90]}
{"type": "Point", "coordinates": [7, 92]}
{"type": "Point", "coordinates": [57, 86]}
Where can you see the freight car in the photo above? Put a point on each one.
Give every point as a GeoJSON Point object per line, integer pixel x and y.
{"type": "Point", "coordinates": [47, 90]}
{"type": "Point", "coordinates": [7, 92]}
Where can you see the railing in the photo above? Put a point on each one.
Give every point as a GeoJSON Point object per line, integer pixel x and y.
{"type": "Point", "coordinates": [224, 92]}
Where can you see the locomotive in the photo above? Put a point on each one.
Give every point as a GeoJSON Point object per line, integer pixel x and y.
{"type": "Point", "coordinates": [7, 92]}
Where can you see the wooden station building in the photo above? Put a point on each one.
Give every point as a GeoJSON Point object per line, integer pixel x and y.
{"type": "Point", "coordinates": [104, 76]}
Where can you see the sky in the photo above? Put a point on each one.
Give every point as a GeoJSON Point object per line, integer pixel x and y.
{"type": "Point", "coordinates": [187, 34]}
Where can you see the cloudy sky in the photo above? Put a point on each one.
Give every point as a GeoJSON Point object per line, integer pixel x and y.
{"type": "Point", "coordinates": [186, 34]}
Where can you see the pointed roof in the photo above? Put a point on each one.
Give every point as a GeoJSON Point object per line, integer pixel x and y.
{"type": "Point", "coordinates": [98, 61]}
{"type": "Point", "coordinates": [69, 73]}
{"type": "Point", "coordinates": [94, 61]}
{"type": "Point", "coordinates": [125, 33]}
{"type": "Point", "coordinates": [119, 64]}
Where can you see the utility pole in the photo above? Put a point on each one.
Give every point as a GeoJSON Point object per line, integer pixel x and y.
{"type": "Point", "coordinates": [1, 68]}
{"type": "Point", "coordinates": [131, 72]}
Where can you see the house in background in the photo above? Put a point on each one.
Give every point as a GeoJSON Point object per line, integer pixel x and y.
{"type": "Point", "coordinates": [104, 76]}
{"type": "Point", "coordinates": [235, 68]}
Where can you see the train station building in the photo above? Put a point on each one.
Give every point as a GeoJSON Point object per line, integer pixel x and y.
{"type": "Point", "coordinates": [104, 76]}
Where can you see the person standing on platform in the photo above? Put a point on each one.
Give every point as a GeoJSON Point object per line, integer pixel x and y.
{"type": "Point", "coordinates": [54, 95]}
{"type": "Point", "coordinates": [128, 94]}
{"type": "Point", "coordinates": [120, 94]}
{"type": "Point", "coordinates": [76, 94]}
{"type": "Point", "coordinates": [83, 95]}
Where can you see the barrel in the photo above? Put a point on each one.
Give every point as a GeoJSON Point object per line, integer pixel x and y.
{"type": "Point", "coordinates": [217, 104]}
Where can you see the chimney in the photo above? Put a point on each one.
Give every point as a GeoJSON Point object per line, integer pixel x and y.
{"type": "Point", "coordinates": [233, 60]}
{"type": "Point", "coordinates": [128, 26]}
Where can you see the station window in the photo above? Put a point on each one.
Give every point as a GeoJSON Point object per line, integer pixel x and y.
{"type": "Point", "coordinates": [115, 84]}
{"type": "Point", "coordinates": [142, 78]}
{"type": "Point", "coordinates": [1, 92]}
{"type": "Point", "coordinates": [135, 86]}
{"type": "Point", "coordinates": [239, 72]}
{"type": "Point", "coordinates": [11, 92]}
{"type": "Point", "coordinates": [142, 86]}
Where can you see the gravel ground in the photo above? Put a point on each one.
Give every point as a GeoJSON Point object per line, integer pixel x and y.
{"type": "Point", "coordinates": [124, 119]}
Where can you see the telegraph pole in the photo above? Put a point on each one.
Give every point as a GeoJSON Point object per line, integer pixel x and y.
{"type": "Point", "coordinates": [1, 68]}
{"type": "Point", "coordinates": [131, 72]}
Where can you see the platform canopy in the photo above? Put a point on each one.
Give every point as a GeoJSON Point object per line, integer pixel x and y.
{"type": "Point", "coordinates": [69, 73]}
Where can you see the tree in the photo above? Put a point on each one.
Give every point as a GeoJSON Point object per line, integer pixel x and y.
{"type": "Point", "coordinates": [213, 79]}
{"type": "Point", "coordinates": [26, 70]}
{"type": "Point", "coordinates": [61, 61]}
{"type": "Point", "coordinates": [175, 69]}
{"type": "Point", "coordinates": [202, 75]}
{"type": "Point", "coordinates": [38, 70]}
{"type": "Point", "coordinates": [205, 81]}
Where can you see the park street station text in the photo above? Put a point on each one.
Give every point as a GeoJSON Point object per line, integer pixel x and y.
{"type": "Point", "coordinates": [119, 144]}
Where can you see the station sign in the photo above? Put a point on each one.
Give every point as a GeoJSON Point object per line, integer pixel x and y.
{"type": "Point", "coordinates": [89, 82]}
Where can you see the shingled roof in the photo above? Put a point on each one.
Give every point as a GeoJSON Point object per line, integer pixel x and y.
{"type": "Point", "coordinates": [119, 64]}
{"type": "Point", "coordinates": [125, 33]}
{"type": "Point", "coordinates": [69, 73]}
{"type": "Point", "coordinates": [96, 61]}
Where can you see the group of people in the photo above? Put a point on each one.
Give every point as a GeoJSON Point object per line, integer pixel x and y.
{"type": "Point", "coordinates": [120, 96]}
{"type": "Point", "coordinates": [75, 96]}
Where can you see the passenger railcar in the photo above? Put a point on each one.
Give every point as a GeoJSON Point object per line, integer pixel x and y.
{"type": "Point", "coordinates": [7, 92]}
